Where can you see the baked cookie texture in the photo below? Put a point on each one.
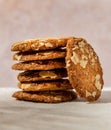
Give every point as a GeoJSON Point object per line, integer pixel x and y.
{"type": "Point", "coordinates": [52, 68]}
{"type": "Point", "coordinates": [46, 96]}
{"type": "Point", "coordinates": [84, 69]}
{"type": "Point", "coordinates": [42, 55]}
{"type": "Point", "coordinates": [40, 65]}
{"type": "Point", "coordinates": [31, 76]}
{"type": "Point", "coordinates": [62, 84]}
{"type": "Point", "coordinates": [44, 77]}
{"type": "Point", "coordinates": [39, 44]}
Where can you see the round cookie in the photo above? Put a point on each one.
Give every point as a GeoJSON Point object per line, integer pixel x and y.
{"type": "Point", "coordinates": [40, 65]}
{"type": "Point", "coordinates": [39, 44]}
{"type": "Point", "coordinates": [31, 76]}
{"type": "Point", "coordinates": [44, 55]}
{"type": "Point", "coordinates": [46, 97]}
{"type": "Point", "coordinates": [84, 69]}
{"type": "Point", "coordinates": [62, 84]}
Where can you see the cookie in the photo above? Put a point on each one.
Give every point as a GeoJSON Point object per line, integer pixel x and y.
{"type": "Point", "coordinates": [84, 69]}
{"type": "Point", "coordinates": [62, 84]}
{"type": "Point", "coordinates": [40, 65]}
{"type": "Point", "coordinates": [31, 76]}
{"type": "Point", "coordinates": [39, 44]}
{"type": "Point", "coordinates": [47, 97]}
{"type": "Point", "coordinates": [44, 55]}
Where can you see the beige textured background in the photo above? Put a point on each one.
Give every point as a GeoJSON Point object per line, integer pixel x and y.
{"type": "Point", "coordinates": [27, 19]}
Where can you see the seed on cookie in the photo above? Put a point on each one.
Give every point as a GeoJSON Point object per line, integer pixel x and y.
{"type": "Point", "coordinates": [40, 65]}
{"type": "Point", "coordinates": [85, 71]}
{"type": "Point", "coordinates": [31, 76]}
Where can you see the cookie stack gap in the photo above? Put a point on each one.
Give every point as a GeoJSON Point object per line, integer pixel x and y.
{"type": "Point", "coordinates": [44, 76]}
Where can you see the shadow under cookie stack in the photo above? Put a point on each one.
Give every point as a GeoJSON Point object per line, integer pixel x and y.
{"type": "Point", "coordinates": [44, 76]}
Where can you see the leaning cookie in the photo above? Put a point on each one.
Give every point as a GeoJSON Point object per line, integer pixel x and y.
{"type": "Point", "coordinates": [62, 84]}
{"type": "Point", "coordinates": [39, 44]}
{"type": "Point", "coordinates": [40, 65]}
{"type": "Point", "coordinates": [47, 97]}
{"type": "Point", "coordinates": [44, 55]}
{"type": "Point", "coordinates": [84, 69]}
{"type": "Point", "coordinates": [31, 76]}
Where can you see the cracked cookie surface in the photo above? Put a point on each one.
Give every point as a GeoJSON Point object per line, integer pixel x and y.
{"type": "Point", "coordinates": [61, 84]}
{"type": "Point", "coordinates": [39, 44]}
{"type": "Point", "coordinates": [47, 97]}
{"type": "Point", "coordinates": [40, 65]}
{"type": "Point", "coordinates": [43, 55]}
{"type": "Point", "coordinates": [31, 76]}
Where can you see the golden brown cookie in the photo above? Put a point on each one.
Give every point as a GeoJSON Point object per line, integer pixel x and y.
{"type": "Point", "coordinates": [31, 76]}
{"type": "Point", "coordinates": [39, 44]}
{"type": "Point", "coordinates": [40, 65]}
{"type": "Point", "coordinates": [62, 84]}
{"type": "Point", "coordinates": [84, 69]}
{"type": "Point", "coordinates": [44, 55]}
{"type": "Point", "coordinates": [47, 97]}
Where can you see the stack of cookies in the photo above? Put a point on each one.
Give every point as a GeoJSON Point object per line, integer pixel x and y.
{"type": "Point", "coordinates": [44, 76]}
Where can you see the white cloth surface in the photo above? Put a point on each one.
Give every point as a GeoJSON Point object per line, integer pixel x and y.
{"type": "Point", "coordinates": [76, 115]}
